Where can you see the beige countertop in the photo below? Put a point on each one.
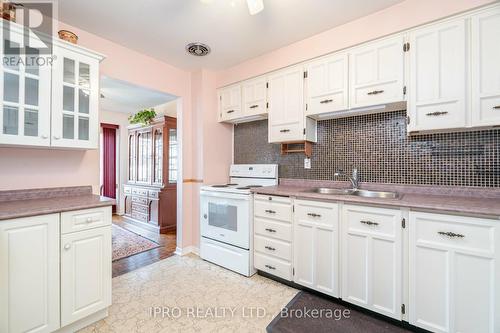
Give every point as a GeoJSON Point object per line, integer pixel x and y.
{"type": "Point", "coordinates": [475, 202]}
{"type": "Point", "coordinates": [25, 203]}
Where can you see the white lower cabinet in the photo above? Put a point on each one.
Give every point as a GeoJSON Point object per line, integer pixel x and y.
{"type": "Point", "coordinates": [316, 250]}
{"type": "Point", "coordinates": [49, 280]}
{"type": "Point", "coordinates": [454, 273]}
{"type": "Point", "coordinates": [372, 258]}
{"type": "Point", "coordinates": [29, 274]}
{"type": "Point", "coordinates": [85, 273]}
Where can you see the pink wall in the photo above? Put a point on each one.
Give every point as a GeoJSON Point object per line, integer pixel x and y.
{"type": "Point", "coordinates": [402, 16]}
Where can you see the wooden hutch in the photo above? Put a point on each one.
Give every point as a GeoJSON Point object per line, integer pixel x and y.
{"type": "Point", "coordinates": [151, 190]}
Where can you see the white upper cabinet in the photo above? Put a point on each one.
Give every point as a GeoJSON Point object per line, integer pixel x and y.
{"type": "Point", "coordinates": [287, 120]}
{"type": "Point", "coordinates": [255, 98]}
{"type": "Point", "coordinates": [230, 103]}
{"type": "Point", "coordinates": [377, 72]}
{"type": "Point", "coordinates": [438, 77]}
{"type": "Point", "coordinates": [24, 93]}
{"type": "Point", "coordinates": [454, 273]}
{"type": "Point", "coordinates": [327, 86]}
{"type": "Point", "coordinates": [75, 98]}
{"type": "Point", "coordinates": [486, 68]}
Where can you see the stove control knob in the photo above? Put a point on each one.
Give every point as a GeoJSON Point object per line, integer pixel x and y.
{"type": "Point", "coordinates": [205, 216]}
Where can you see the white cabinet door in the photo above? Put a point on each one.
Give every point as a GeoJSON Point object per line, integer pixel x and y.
{"type": "Point", "coordinates": [255, 96]}
{"type": "Point", "coordinates": [437, 90]}
{"type": "Point", "coordinates": [316, 246]}
{"type": "Point", "coordinates": [454, 273]}
{"type": "Point", "coordinates": [485, 68]}
{"type": "Point", "coordinates": [85, 273]}
{"type": "Point", "coordinates": [75, 99]}
{"type": "Point", "coordinates": [377, 73]}
{"type": "Point", "coordinates": [286, 105]}
{"type": "Point", "coordinates": [327, 85]}
{"type": "Point", "coordinates": [29, 274]}
{"type": "Point", "coordinates": [372, 259]}
{"type": "Point", "coordinates": [230, 102]}
{"type": "Point", "coordinates": [24, 92]}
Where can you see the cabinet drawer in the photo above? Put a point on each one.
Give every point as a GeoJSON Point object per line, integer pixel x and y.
{"type": "Point", "coordinates": [140, 191]}
{"type": "Point", "coordinates": [468, 233]}
{"type": "Point", "coordinates": [327, 103]}
{"type": "Point", "coordinates": [274, 229]}
{"type": "Point", "coordinates": [140, 200]}
{"type": "Point", "coordinates": [85, 219]}
{"type": "Point", "coordinates": [378, 94]}
{"type": "Point", "coordinates": [255, 107]}
{"type": "Point", "coordinates": [153, 194]}
{"type": "Point", "coordinates": [273, 247]}
{"type": "Point", "coordinates": [287, 133]}
{"type": "Point", "coordinates": [127, 190]}
{"type": "Point", "coordinates": [140, 208]}
{"type": "Point", "coordinates": [324, 213]}
{"type": "Point", "coordinates": [274, 208]}
{"type": "Point", "coordinates": [441, 115]}
{"type": "Point", "coordinates": [140, 216]}
{"type": "Point", "coordinates": [273, 266]}
{"type": "Point", "coordinates": [372, 220]}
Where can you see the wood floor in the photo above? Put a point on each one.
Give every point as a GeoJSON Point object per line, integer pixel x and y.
{"type": "Point", "coordinates": [167, 248]}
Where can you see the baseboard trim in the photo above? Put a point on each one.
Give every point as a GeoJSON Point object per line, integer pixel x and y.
{"type": "Point", "coordinates": [186, 250]}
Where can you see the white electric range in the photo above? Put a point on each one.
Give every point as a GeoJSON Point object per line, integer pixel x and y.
{"type": "Point", "coordinates": [226, 216]}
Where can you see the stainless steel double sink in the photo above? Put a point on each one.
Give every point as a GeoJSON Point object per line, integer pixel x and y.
{"type": "Point", "coordinates": [356, 192]}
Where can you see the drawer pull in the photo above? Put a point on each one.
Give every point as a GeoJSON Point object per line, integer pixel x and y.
{"type": "Point", "coordinates": [270, 211]}
{"type": "Point", "coordinates": [437, 113]}
{"type": "Point", "coordinates": [230, 111]}
{"type": "Point", "coordinates": [450, 234]}
{"type": "Point", "coordinates": [314, 215]}
{"type": "Point", "coordinates": [270, 198]}
{"type": "Point", "coordinates": [270, 267]}
{"type": "Point", "coordinates": [270, 248]}
{"type": "Point", "coordinates": [254, 106]}
{"type": "Point", "coordinates": [326, 101]}
{"type": "Point", "coordinates": [375, 92]}
{"type": "Point", "coordinates": [368, 222]}
{"type": "Point", "coordinates": [270, 230]}
{"type": "Point", "coordinates": [284, 130]}
{"type": "Point", "coordinates": [67, 246]}
{"type": "Point", "coordinates": [496, 107]}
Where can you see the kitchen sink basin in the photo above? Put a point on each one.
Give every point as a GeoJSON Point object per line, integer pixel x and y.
{"type": "Point", "coordinates": [359, 193]}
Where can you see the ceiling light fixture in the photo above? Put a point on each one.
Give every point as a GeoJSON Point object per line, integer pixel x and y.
{"type": "Point", "coordinates": [255, 6]}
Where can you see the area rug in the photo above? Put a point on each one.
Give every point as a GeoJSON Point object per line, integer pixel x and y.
{"type": "Point", "coordinates": [127, 243]}
{"type": "Point", "coordinates": [310, 313]}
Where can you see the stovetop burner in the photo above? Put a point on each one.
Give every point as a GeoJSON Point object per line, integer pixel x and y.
{"type": "Point", "coordinates": [243, 188]}
{"type": "Point", "coordinates": [220, 186]}
{"type": "Point", "coordinates": [253, 186]}
{"type": "Point", "coordinates": [231, 184]}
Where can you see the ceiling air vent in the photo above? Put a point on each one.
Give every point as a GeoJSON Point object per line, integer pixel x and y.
{"type": "Point", "coordinates": [198, 49]}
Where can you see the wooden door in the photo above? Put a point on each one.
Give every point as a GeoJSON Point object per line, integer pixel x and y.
{"type": "Point", "coordinates": [109, 184]}
{"type": "Point", "coordinates": [168, 197]}
{"type": "Point", "coordinates": [29, 274]}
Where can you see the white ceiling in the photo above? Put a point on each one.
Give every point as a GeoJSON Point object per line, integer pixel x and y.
{"type": "Point", "coordinates": [162, 28]}
{"type": "Point", "coordinates": [120, 96]}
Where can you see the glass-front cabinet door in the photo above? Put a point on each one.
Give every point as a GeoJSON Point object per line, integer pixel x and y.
{"type": "Point", "coordinates": [75, 99]}
{"type": "Point", "coordinates": [158, 157]}
{"type": "Point", "coordinates": [24, 94]}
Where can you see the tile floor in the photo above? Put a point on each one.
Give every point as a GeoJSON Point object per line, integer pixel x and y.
{"type": "Point", "coordinates": [192, 294]}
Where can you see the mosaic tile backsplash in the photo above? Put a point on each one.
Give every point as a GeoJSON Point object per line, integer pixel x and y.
{"type": "Point", "coordinates": [379, 147]}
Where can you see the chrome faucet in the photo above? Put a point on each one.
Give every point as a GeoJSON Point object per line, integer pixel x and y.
{"type": "Point", "coordinates": [354, 179]}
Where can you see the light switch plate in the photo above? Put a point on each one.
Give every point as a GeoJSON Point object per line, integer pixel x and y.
{"type": "Point", "coordinates": [307, 163]}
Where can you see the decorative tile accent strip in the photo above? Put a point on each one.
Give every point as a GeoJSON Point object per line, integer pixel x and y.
{"type": "Point", "coordinates": [379, 147]}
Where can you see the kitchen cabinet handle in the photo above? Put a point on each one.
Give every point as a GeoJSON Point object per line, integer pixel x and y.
{"type": "Point", "coordinates": [270, 230]}
{"type": "Point", "coordinates": [368, 222]}
{"type": "Point", "coordinates": [254, 106]}
{"type": "Point", "coordinates": [270, 267]}
{"type": "Point", "coordinates": [450, 234]}
{"type": "Point", "coordinates": [496, 107]}
{"type": "Point", "coordinates": [326, 101]}
{"type": "Point", "coordinates": [375, 92]}
{"type": "Point", "coordinates": [284, 130]}
{"type": "Point", "coordinates": [56, 137]}
{"type": "Point", "coordinates": [270, 248]}
{"type": "Point", "coordinates": [314, 215]}
{"type": "Point", "coordinates": [44, 137]}
{"type": "Point", "coordinates": [436, 113]}
{"type": "Point", "coordinates": [270, 211]}
{"type": "Point", "coordinates": [67, 246]}
{"type": "Point", "coordinates": [230, 111]}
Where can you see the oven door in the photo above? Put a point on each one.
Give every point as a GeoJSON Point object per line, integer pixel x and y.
{"type": "Point", "coordinates": [226, 217]}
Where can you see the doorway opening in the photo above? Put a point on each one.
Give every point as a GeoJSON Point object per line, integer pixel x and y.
{"type": "Point", "coordinates": [139, 168]}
